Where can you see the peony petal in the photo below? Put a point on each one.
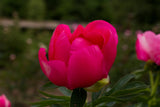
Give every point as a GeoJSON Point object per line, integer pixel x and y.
{"type": "Point", "coordinates": [141, 52]}
{"type": "Point", "coordinates": [109, 52]}
{"type": "Point", "coordinates": [157, 55]}
{"type": "Point", "coordinates": [158, 36]}
{"type": "Point", "coordinates": [150, 43]}
{"type": "Point", "coordinates": [153, 41]}
{"type": "Point", "coordinates": [4, 102]}
{"type": "Point", "coordinates": [60, 28]}
{"type": "Point", "coordinates": [55, 70]}
{"type": "Point", "coordinates": [150, 38]}
{"type": "Point", "coordinates": [79, 43]}
{"type": "Point", "coordinates": [62, 48]}
{"type": "Point", "coordinates": [77, 33]}
{"type": "Point", "coordinates": [95, 38]}
{"type": "Point", "coordinates": [104, 28]}
{"type": "Point", "coordinates": [85, 67]}
{"type": "Point", "coordinates": [157, 58]}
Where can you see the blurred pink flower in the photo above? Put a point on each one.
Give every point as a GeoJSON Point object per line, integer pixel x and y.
{"type": "Point", "coordinates": [12, 57]}
{"type": "Point", "coordinates": [4, 102]}
{"type": "Point", "coordinates": [127, 32]}
{"type": "Point", "coordinates": [148, 47]}
{"type": "Point", "coordinates": [80, 59]}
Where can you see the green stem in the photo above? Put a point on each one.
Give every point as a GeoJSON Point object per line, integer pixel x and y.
{"type": "Point", "coordinates": [154, 89]}
{"type": "Point", "coordinates": [154, 85]}
{"type": "Point", "coordinates": [78, 97]}
{"type": "Point", "coordinates": [151, 79]}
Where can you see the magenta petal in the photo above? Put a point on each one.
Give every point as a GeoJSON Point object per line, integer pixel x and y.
{"type": "Point", "coordinates": [85, 67]}
{"type": "Point", "coordinates": [60, 28]}
{"type": "Point", "coordinates": [109, 52]}
{"type": "Point", "coordinates": [153, 42]}
{"type": "Point", "coordinates": [62, 48]}
{"type": "Point", "coordinates": [104, 28]}
{"type": "Point", "coordinates": [141, 53]}
{"type": "Point", "coordinates": [157, 58]}
{"type": "Point", "coordinates": [4, 102]}
{"type": "Point", "coordinates": [148, 46]}
{"type": "Point", "coordinates": [157, 55]}
{"type": "Point", "coordinates": [77, 33]}
{"type": "Point", "coordinates": [95, 38]}
{"type": "Point", "coordinates": [79, 43]}
{"type": "Point", "coordinates": [153, 48]}
{"type": "Point", "coordinates": [55, 70]}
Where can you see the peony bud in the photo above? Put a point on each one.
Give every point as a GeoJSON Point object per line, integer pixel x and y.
{"type": "Point", "coordinates": [81, 58]}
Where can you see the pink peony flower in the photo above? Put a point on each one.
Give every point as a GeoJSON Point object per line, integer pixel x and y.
{"type": "Point", "coordinates": [4, 102]}
{"type": "Point", "coordinates": [80, 59]}
{"type": "Point", "coordinates": [148, 47]}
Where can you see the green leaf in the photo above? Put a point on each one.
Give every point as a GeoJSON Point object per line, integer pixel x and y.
{"type": "Point", "coordinates": [135, 84]}
{"type": "Point", "coordinates": [129, 92]}
{"type": "Point", "coordinates": [65, 91]}
{"type": "Point", "coordinates": [139, 73]}
{"type": "Point", "coordinates": [49, 85]}
{"type": "Point", "coordinates": [95, 95]}
{"type": "Point", "coordinates": [78, 97]}
{"type": "Point", "coordinates": [55, 101]}
{"type": "Point", "coordinates": [65, 98]}
{"type": "Point", "coordinates": [121, 83]}
{"type": "Point", "coordinates": [49, 102]}
{"type": "Point", "coordinates": [56, 105]}
{"type": "Point", "coordinates": [139, 105]}
{"type": "Point", "coordinates": [106, 99]}
{"type": "Point", "coordinates": [132, 90]}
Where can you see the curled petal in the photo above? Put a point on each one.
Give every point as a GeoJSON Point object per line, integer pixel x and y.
{"type": "Point", "coordinates": [62, 48]}
{"type": "Point", "coordinates": [109, 52]}
{"type": "Point", "coordinates": [85, 67]}
{"type": "Point", "coordinates": [55, 70]}
{"type": "Point", "coordinates": [60, 28]}
{"type": "Point", "coordinates": [95, 38]}
{"type": "Point", "coordinates": [104, 28]}
{"type": "Point", "coordinates": [77, 33]}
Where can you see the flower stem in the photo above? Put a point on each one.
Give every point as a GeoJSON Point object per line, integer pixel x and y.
{"type": "Point", "coordinates": [154, 89]}
{"type": "Point", "coordinates": [154, 85]}
{"type": "Point", "coordinates": [78, 97]}
{"type": "Point", "coordinates": [151, 79]}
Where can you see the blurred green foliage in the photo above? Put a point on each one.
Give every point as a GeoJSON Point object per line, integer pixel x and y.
{"type": "Point", "coordinates": [128, 13]}
{"type": "Point", "coordinates": [20, 73]}
{"type": "Point", "coordinates": [36, 9]}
